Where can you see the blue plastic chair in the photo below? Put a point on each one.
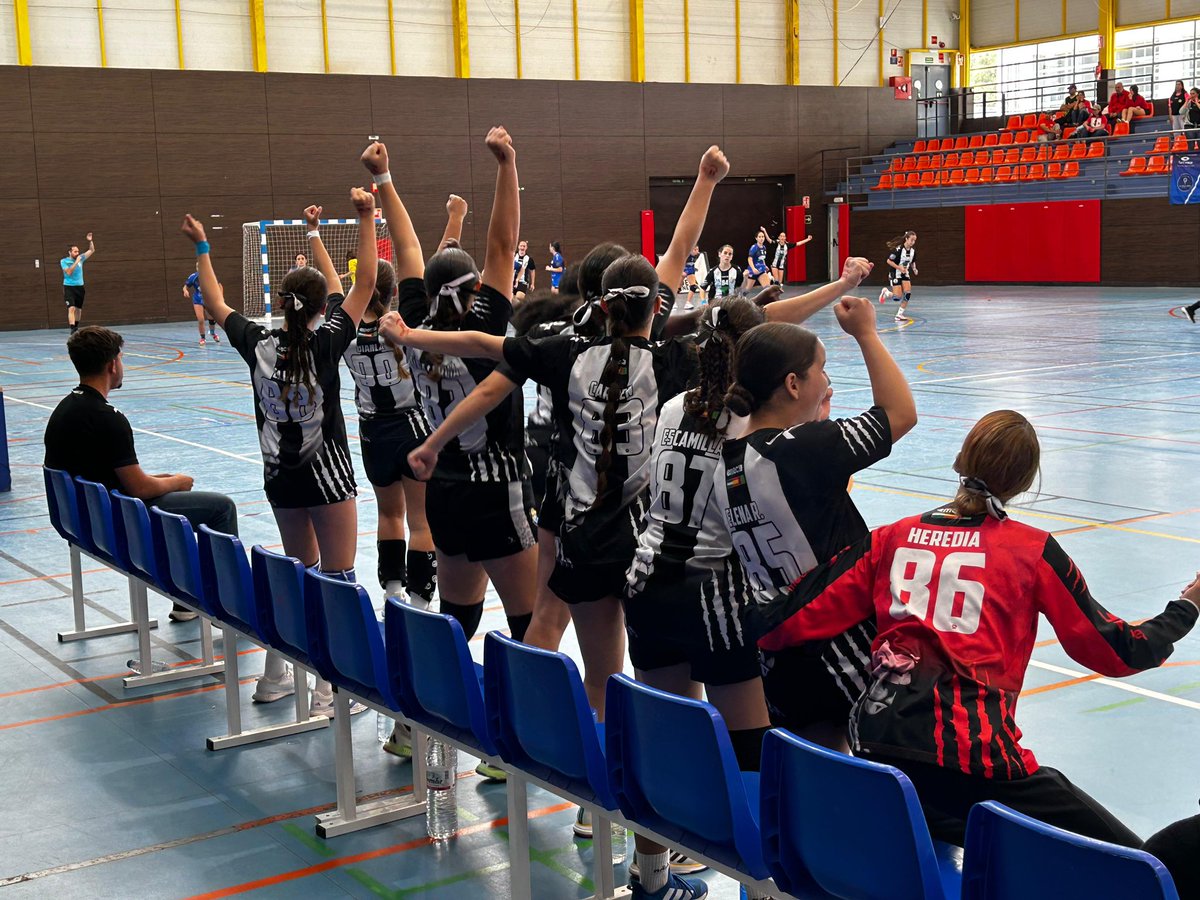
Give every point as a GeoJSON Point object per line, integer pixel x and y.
{"type": "Point", "coordinates": [1013, 857]}
{"type": "Point", "coordinates": [69, 521]}
{"type": "Point", "coordinates": [106, 530]}
{"type": "Point", "coordinates": [183, 560]}
{"type": "Point", "coordinates": [279, 602]}
{"type": "Point", "coordinates": [815, 806]}
{"type": "Point", "coordinates": [228, 582]}
{"type": "Point", "coordinates": [147, 552]}
{"type": "Point", "coordinates": [349, 651]}
{"type": "Point", "coordinates": [433, 676]}
{"type": "Point", "coordinates": [696, 798]}
{"type": "Point", "coordinates": [539, 718]}
{"type": "Point", "coordinates": [48, 476]}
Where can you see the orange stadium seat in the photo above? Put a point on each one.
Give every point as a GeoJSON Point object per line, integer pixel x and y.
{"type": "Point", "coordinates": [991, 140]}
{"type": "Point", "coordinates": [1011, 155]}
{"type": "Point", "coordinates": [1158, 165]}
{"type": "Point", "coordinates": [1062, 151]}
{"type": "Point", "coordinates": [1096, 150]}
{"type": "Point", "coordinates": [1030, 120]}
{"type": "Point", "coordinates": [919, 147]}
{"type": "Point", "coordinates": [972, 176]}
{"type": "Point", "coordinates": [1036, 172]}
{"type": "Point", "coordinates": [1021, 137]}
{"type": "Point", "coordinates": [1161, 145]}
{"type": "Point", "coordinates": [1180, 144]}
{"type": "Point", "coordinates": [982, 157]}
{"type": "Point", "coordinates": [985, 176]}
{"type": "Point", "coordinates": [961, 143]}
{"type": "Point", "coordinates": [976, 141]}
{"type": "Point", "coordinates": [1079, 150]}
{"type": "Point", "coordinates": [897, 164]}
{"type": "Point", "coordinates": [913, 179]}
{"type": "Point", "coordinates": [1004, 173]}
{"type": "Point", "coordinates": [1071, 170]}
{"type": "Point", "coordinates": [885, 182]}
{"type": "Point", "coordinates": [997, 157]}
{"type": "Point", "coordinates": [927, 179]}
{"type": "Point", "coordinates": [957, 176]}
{"type": "Point", "coordinates": [947, 144]}
{"type": "Point", "coordinates": [1054, 170]}
{"type": "Point", "coordinates": [1068, 131]}
{"type": "Point", "coordinates": [923, 162]}
{"type": "Point", "coordinates": [1014, 122]}
{"type": "Point", "coordinates": [1006, 139]}
{"type": "Point", "coordinates": [1120, 129]}
{"type": "Point", "coordinates": [951, 160]}
{"type": "Point", "coordinates": [1043, 153]}
{"type": "Point", "coordinates": [936, 161]}
{"type": "Point", "coordinates": [910, 164]}
{"type": "Point", "coordinates": [1137, 166]}
{"type": "Point", "coordinates": [1028, 154]}
{"type": "Point", "coordinates": [944, 177]}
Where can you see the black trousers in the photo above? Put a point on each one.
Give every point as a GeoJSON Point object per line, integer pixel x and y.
{"type": "Point", "coordinates": [1047, 795]}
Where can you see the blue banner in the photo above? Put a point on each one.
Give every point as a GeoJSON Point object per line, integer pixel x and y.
{"type": "Point", "coordinates": [1185, 177]}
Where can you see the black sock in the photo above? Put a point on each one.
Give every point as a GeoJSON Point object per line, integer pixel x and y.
{"type": "Point", "coordinates": [391, 561]}
{"type": "Point", "coordinates": [747, 747]}
{"type": "Point", "coordinates": [1195, 306]}
{"type": "Point", "coordinates": [518, 625]}
{"type": "Point", "coordinates": [422, 574]}
{"type": "Point", "coordinates": [468, 616]}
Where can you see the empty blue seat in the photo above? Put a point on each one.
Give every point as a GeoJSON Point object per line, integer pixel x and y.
{"type": "Point", "coordinates": [434, 679]}
{"type": "Point", "coordinates": [106, 530]}
{"type": "Point", "coordinates": [816, 806]}
{"type": "Point", "coordinates": [66, 513]}
{"type": "Point", "coordinates": [182, 572]}
{"type": "Point", "coordinates": [147, 553]}
{"type": "Point", "coordinates": [348, 638]}
{"type": "Point", "coordinates": [228, 582]}
{"type": "Point", "coordinates": [1013, 857]}
{"type": "Point", "coordinates": [539, 718]}
{"type": "Point", "coordinates": [279, 602]}
{"type": "Point", "coordinates": [696, 798]}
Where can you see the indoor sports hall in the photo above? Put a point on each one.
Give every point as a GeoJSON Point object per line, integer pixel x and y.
{"type": "Point", "coordinates": [572, 223]}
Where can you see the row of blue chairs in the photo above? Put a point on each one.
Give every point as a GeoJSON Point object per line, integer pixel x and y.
{"type": "Point", "coordinates": [814, 823]}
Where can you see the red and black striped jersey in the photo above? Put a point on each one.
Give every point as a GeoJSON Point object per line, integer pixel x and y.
{"type": "Point", "coordinates": [956, 602]}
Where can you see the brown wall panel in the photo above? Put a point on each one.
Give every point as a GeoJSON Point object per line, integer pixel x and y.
{"type": "Point", "coordinates": [126, 229]}
{"type": "Point", "coordinates": [16, 110]}
{"type": "Point", "coordinates": [82, 165]}
{"type": "Point", "coordinates": [82, 101]}
{"type": "Point", "coordinates": [1173, 260]}
{"type": "Point", "coordinates": [600, 109]}
{"type": "Point", "coordinates": [419, 106]}
{"type": "Point", "coordinates": [759, 109]}
{"type": "Point", "coordinates": [319, 104]}
{"type": "Point", "coordinates": [527, 107]}
{"type": "Point", "coordinates": [222, 218]}
{"type": "Point", "coordinates": [18, 166]}
{"type": "Point", "coordinates": [118, 292]}
{"type": "Point", "coordinates": [217, 164]}
{"type": "Point", "coordinates": [675, 156]}
{"type": "Point", "coordinates": [419, 162]}
{"type": "Point", "coordinates": [765, 155]}
{"type": "Point", "coordinates": [590, 217]}
{"type": "Point", "coordinates": [204, 103]}
{"type": "Point", "coordinates": [25, 298]}
{"type": "Point", "coordinates": [318, 165]}
{"type": "Point", "coordinates": [674, 109]}
{"type": "Point", "coordinates": [539, 164]}
{"type": "Point", "coordinates": [614, 163]}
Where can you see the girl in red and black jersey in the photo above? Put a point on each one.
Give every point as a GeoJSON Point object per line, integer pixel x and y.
{"type": "Point", "coordinates": [483, 471]}
{"type": "Point", "coordinates": [956, 594]}
{"type": "Point", "coordinates": [294, 371]}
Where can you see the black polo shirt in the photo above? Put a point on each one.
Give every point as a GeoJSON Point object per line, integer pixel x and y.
{"type": "Point", "coordinates": [89, 437]}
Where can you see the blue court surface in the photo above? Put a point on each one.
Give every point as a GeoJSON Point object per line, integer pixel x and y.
{"type": "Point", "coordinates": [111, 792]}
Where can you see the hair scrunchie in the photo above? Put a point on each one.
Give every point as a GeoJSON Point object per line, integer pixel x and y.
{"type": "Point", "coordinates": [978, 487]}
{"type": "Point", "coordinates": [716, 320]}
{"type": "Point", "coordinates": [295, 299]}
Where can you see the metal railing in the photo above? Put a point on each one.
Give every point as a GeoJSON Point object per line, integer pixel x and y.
{"type": "Point", "coordinates": [858, 180]}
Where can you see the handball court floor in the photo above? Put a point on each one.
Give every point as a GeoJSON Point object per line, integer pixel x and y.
{"type": "Point", "coordinates": [110, 792]}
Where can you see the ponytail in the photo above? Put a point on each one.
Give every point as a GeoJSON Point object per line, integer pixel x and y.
{"type": "Point", "coordinates": [897, 242]}
{"type": "Point", "coordinates": [302, 295]}
{"type": "Point", "coordinates": [764, 358]}
{"type": "Point", "coordinates": [451, 278]}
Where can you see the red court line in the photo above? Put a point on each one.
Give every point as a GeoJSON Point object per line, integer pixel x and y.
{"type": "Point", "coordinates": [52, 577]}
{"type": "Point", "coordinates": [1146, 518]}
{"type": "Point", "coordinates": [59, 684]}
{"type": "Point", "coordinates": [125, 704]}
{"type": "Point", "coordinates": [21, 499]}
{"type": "Point", "coordinates": [297, 874]}
{"type": "Point", "coordinates": [1092, 677]}
{"type": "Point", "coordinates": [228, 411]}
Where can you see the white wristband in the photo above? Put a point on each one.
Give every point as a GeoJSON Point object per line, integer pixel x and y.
{"type": "Point", "coordinates": [385, 178]}
{"type": "Point", "coordinates": [314, 233]}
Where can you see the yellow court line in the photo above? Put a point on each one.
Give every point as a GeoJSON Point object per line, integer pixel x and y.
{"type": "Point", "coordinates": [1039, 515]}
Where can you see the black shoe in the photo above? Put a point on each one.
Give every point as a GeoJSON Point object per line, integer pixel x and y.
{"type": "Point", "coordinates": [1191, 313]}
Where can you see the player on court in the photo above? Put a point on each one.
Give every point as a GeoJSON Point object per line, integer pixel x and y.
{"type": "Point", "coordinates": [902, 266]}
{"type": "Point", "coordinates": [524, 271]}
{"type": "Point", "coordinates": [782, 486]}
{"type": "Point", "coordinates": [779, 259]}
{"type": "Point", "coordinates": [556, 266]}
{"type": "Point", "coordinates": [757, 272]}
{"type": "Point", "coordinates": [309, 479]}
{"type": "Point", "coordinates": [191, 291]}
{"type": "Point", "coordinates": [73, 290]}
{"type": "Point", "coordinates": [947, 672]}
{"type": "Point", "coordinates": [478, 500]}
{"type": "Point", "coordinates": [690, 283]}
{"type": "Point", "coordinates": [722, 279]}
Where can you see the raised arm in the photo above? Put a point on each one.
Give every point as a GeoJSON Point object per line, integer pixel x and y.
{"type": "Point", "coordinates": [87, 254]}
{"type": "Point", "coordinates": [456, 214]}
{"type": "Point", "coordinates": [317, 252]}
{"type": "Point", "coordinates": [463, 344]}
{"type": "Point", "coordinates": [368, 256]}
{"type": "Point", "coordinates": [889, 388]}
{"type": "Point", "coordinates": [410, 262]}
{"type": "Point", "coordinates": [506, 215]}
{"type": "Point", "coordinates": [713, 167]}
{"type": "Point", "coordinates": [210, 289]}
{"type": "Point", "coordinates": [797, 309]}
{"type": "Point", "coordinates": [477, 404]}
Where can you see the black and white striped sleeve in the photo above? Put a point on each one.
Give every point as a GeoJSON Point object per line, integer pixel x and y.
{"type": "Point", "coordinates": [841, 447]}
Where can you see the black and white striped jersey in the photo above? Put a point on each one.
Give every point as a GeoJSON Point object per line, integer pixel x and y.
{"type": "Point", "coordinates": [543, 409]}
{"type": "Point", "coordinates": [298, 428]}
{"type": "Point", "coordinates": [721, 282]}
{"type": "Point", "coordinates": [903, 256]}
{"type": "Point", "coordinates": [571, 367]}
{"type": "Point", "coordinates": [383, 384]}
{"type": "Point", "coordinates": [784, 497]}
{"type": "Point", "coordinates": [781, 252]}
{"type": "Point", "coordinates": [492, 449]}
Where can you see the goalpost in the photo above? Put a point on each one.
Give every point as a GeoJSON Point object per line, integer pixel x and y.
{"type": "Point", "coordinates": [269, 251]}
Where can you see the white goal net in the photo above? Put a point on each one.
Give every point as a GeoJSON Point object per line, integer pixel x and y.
{"type": "Point", "coordinates": [269, 250]}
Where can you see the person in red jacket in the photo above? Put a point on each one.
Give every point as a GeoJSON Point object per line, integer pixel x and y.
{"type": "Point", "coordinates": [956, 594]}
{"type": "Point", "coordinates": [1116, 104]}
{"type": "Point", "coordinates": [1136, 106]}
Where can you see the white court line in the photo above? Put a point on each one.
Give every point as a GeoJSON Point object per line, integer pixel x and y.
{"type": "Point", "coordinates": [1120, 685]}
{"type": "Point", "coordinates": [1091, 365]}
{"type": "Point", "coordinates": [165, 437]}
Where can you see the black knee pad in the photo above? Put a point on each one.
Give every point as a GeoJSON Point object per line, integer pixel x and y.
{"type": "Point", "coordinates": [422, 574]}
{"type": "Point", "coordinates": [907, 296]}
{"type": "Point", "coordinates": [391, 561]}
{"type": "Point", "coordinates": [747, 747]}
{"type": "Point", "coordinates": [468, 616]}
{"type": "Point", "coordinates": [518, 625]}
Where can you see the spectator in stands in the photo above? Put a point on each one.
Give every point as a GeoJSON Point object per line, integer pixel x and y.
{"type": "Point", "coordinates": [1094, 128]}
{"type": "Point", "coordinates": [1047, 128]}
{"type": "Point", "coordinates": [1136, 106]}
{"type": "Point", "coordinates": [1116, 104]}
{"type": "Point", "coordinates": [1175, 106]}
{"type": "Point", "coordinates": [1191, 118]}
{"type": "Point", "coordinates": [89, 437]}
{"type": "Point", "coordinates": [1076, 110]}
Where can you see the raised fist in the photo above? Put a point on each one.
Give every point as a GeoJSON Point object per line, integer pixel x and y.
{"type": "Point", "coordinates": [363, 201]}
{"type": "Point", "coordinates": [312, 216]}
{"type": "Point", "coordinates": [375, 158]}
{"type": "Point", "coordinates": [713, 165]}
{"type": "Point", "coordinates": [855, 315]}
{"type": "Point", "coordinates": [456, 206]}
{"type": "Point", "coordinates": [856, 269]}
{"type": "Point", "coordinates": [192, 229]}
{"type": "Point", "coordinates": [499, 141]}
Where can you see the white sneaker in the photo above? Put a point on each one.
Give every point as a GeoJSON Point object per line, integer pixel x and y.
{"type": "Point", "coordinates": [901, 317]}
{"type": "Point", "coordinates": [583, 823]}
{"type": "Point", "coordinates": [400, 742]}
{"type": "Point", "coordinates": [883, 295]}
{"type": "Point", "coordinates": [269, 690]}
{"type": "Point", "coordinates": [689, 305]}
{"type": "Point", "coordinates": [681, 864]}
{"type": "Point", "coordinates": [322, 705]}
{"type": "Point", "coordinates": [395, 589]}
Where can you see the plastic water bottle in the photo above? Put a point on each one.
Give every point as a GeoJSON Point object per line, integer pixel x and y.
{"type": "Point", "coordinates": [156, 665]}
{"type": "Point", "coordinates": [441, 812]}
{"type": "Point", "coordinates": [620, 843]}
{"type": "Point", "coordinates": [383, 727]}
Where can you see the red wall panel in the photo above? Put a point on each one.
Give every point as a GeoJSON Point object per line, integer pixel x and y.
{"type": "Point", "coordinates": [797, 258]}
{"type": "Point", "coordinates": [1033, 242]}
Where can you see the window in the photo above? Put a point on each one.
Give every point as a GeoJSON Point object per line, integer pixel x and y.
{"type": "Point", "coordinates": [1156, 56]}
{"type": "Point", "coordinates": [1031, 77]}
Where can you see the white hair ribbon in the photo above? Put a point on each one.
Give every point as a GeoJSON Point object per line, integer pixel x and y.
{"type": "Point", "coordinates": [978, 486]}
{"type": "Point", "coordinates": [450, 291]}
{"type": "Point", "coordinates": [295, 299]}
{"type": "Point", "coordinates": [637, 291]}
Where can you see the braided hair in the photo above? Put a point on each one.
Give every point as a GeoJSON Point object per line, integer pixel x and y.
{"type": "Point", "coordinates": [726, 321]}
{"type": "Point", "coordinates": [302, 295]}
{"type": "Point", "coordinates": [630, 288]}
{"type": "Point", "coordinates": [451, 281]}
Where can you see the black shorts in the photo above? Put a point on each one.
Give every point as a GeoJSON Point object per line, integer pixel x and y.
{"type": "Point", "coordinates": [386, 443]}
{"type": "Point", "coordinates": [522, 287]}
{"type": "Point", "coordinates": [73, 295]}
{"type": "Point", "coordinates": [537, 451]}
{"type": "Point", "coordinates": [694, 620]}
{"type": "Point", "coordinates": [480, 519]}
{"type": "Point", "coordinates": [800, 689]}
{"type": "Point", "coordinates": [592, 559]}
{"type": "Point", "coordinates": [326, 479]}
{"type": "Point", "coordinates": [896, 279]}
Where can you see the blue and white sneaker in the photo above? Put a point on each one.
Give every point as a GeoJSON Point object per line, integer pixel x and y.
{"type": "Point", "coordinates": [676, 888]}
